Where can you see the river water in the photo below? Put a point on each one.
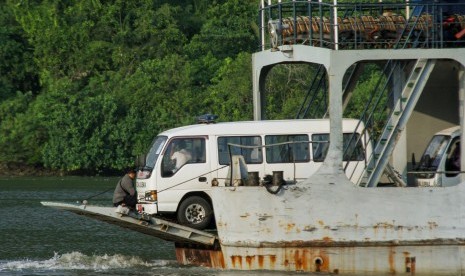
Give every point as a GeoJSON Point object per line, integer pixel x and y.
{"type": "Point", "coordinates": [38, 240]}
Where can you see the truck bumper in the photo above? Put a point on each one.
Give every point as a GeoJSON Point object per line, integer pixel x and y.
{"type": "Point", "coordinates": [147, 208]}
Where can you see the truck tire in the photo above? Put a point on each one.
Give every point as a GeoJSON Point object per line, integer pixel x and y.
{"type": "Point", "coordinates": [195, 212]}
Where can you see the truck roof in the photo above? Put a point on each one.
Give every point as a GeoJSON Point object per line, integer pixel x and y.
{"type": "Point", "coordinates": [262, 127]}
{"type": "Point", "coordinates": [452, 131]}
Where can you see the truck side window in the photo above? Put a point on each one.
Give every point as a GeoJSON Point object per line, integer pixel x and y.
{"type": "Point", "coordinates": [320, 146]}
{"type": "Point", "coordinates": [251, 155]}
{"type": "Point", "coordinates": [181, 152]}
{"type": "Point", "coordinates": [283, 152]}
{"type": "Point", "coordinates": [353, 149]}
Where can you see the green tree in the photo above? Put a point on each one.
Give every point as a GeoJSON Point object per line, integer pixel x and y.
{"type": "Point", "coordinates": [17, 68]}
{"type": "Point", "coordinates": [84, 129]}
{"type": "Point", "coordinates": [91, 56]}
{"type": "Point", "coordinates": [20, 137]}
{"type": "Point", "coordinates": [229, 29]}
{"type": "Point", "coordinates": [230, 96]}
{"type": "Point", "coordinates": [285, 90]}
{"type": "Point", "coordinates": [115, 73]}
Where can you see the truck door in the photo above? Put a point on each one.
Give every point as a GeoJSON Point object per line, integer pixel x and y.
{"type": "Point", "coordinates": [185, 168]}
{"type": "Point", "coordinates": [451, 176]}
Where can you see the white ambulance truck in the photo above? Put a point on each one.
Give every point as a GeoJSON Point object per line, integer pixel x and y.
{"type": "Point", "coordinates": [177, 173]}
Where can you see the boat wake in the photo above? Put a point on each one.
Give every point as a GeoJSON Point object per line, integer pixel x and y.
{"type": "Point", "coordinates": [77, 261]}
{"type": "Point", "coordinates": [78, 264]}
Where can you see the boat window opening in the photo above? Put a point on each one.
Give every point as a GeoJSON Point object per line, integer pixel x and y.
{"type": "Point", "coordinates": [288, 152]}
{"type": "Point", "coordinates": [353, 150]}
{"type": "Point", "coordinates": [154, 151]}
{"type": "Point", "coordinates": [251, 155]}
{"type": "Point", "coordinates": [452, 165]}
{"type": "Point", "coordinates": [433, 153]}
{"type": "Point", "coordinates": [182, 152]}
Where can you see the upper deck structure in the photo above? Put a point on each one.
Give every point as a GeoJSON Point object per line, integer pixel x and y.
{"type": "Point", "coordinates": [419, 42]}
{"type": "Point", "coordinates": [325, 223]}
{"type": "Point", "coordinates": [350, 25]}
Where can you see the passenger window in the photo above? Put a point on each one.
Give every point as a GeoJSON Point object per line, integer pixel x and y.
{"type": "Point", "coordinates": [182, 151]}
{"type": "Point", "coordinates": [279, 150]}
{"type": "Point", "coordinates": [251, 155]}
{"type": "Point", "coordinates": [353, 149]}
{"type": "Point", "coordinates": [320, 145]}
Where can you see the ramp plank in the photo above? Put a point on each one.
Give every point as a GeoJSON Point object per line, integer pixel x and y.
{"type": "Point", "coordinates": [155, 227]}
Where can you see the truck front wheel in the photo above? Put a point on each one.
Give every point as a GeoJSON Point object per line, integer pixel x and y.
{"type": "Point", "coordinates": [195, 212]}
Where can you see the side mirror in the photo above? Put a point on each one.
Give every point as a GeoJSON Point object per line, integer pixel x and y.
{"type": "Point", "coordinates": [140, 161]}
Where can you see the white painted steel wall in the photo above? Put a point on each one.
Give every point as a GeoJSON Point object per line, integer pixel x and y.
{"type": "Point", "coordinates": [326, 211]}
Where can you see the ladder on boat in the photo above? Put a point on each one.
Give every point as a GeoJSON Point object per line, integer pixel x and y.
{"type": "Point", "coordinates": [402, 109]}
{"type": "Point", "coordinates": [396, 123]}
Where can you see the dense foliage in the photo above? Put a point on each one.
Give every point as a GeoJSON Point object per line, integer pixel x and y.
{"type": "Point", "coordinates": [86, 85]}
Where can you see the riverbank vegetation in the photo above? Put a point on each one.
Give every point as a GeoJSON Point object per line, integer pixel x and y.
{"type": "Point", "coordinates": [86, 85]}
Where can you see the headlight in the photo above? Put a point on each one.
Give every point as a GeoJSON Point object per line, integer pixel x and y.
{"type": "Point", "coordinates": [142, 174]}
{"type": "Point", "coordinates": [151, 196]}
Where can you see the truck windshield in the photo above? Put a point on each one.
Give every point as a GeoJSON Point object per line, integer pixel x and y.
{"type": "Point", "coordinates": [434, 152]}
{"type": "Point", "coordinates": [154, 151]}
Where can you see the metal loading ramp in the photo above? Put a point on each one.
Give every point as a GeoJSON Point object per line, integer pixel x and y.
{"type": "Point", "coordinates": [155, 227]}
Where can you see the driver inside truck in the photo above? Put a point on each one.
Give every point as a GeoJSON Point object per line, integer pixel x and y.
{"type": "Point", "coordinates": [180, 155]}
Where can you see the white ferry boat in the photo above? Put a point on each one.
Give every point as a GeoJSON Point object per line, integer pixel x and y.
{"type": "Point", "coordinates": [326, 222]}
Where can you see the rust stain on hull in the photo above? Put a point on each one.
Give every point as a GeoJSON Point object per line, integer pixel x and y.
{"type": "Point", "coordinates": [253, 262]}
{"type": "Point", "coordinates": [200, 256]}
{"type": "Point", "coordinates": [392, 260]}
{"type": "Point", "coordinates": [293, 260]}
{"type": "Point", "coordinates": [409, 263]}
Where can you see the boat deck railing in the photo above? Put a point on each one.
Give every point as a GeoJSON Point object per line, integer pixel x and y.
{"type": "Point", "coordinates": [346, 26]}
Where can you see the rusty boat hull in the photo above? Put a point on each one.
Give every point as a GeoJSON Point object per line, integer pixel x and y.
{"type": "Point", "coordinates": [326, 224]}
{"type": "Point", "coordinates": [443, 258]}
